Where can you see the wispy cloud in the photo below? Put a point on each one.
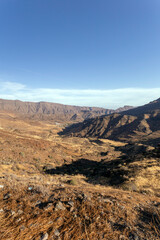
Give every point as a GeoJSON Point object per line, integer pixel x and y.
{"type": "Point", "coordinates": [111, 98]}
{"type": "Point", "coordinates": [11, 86]}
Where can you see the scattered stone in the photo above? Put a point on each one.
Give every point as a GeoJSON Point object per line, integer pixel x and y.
{"type": "Point", "coordinates": [82, 197]}
{"type": "Point", "coordinates": [1, 210]}
{"type": "Point", "coordinates": [107, 201]}
{"type": "Point", "coordinates": [44, 236]}
{"type": "Point", "coordinates": [122, 207]}
{"type": "Point", "coordinates": [59, 206]}
{"type": "Point", "coordinates": [13, 212]}
{"type": "Point", "coordinates": [22, 228]}
{"type": "Point", "coordinates": [122, 237]}
{"type": "Point", "coordinates": [48, 206]}
{"type": "Point", "coordinates": [6, 196]}
{"type": "Point", "coordinates": [56, 233]}
{"type": "Point", "coordinates": [18, 220]}
{"type": "Point", "coordinates": [72, 209]}
{"type": "Point", "coordinates": [71, 203]}
{"type": "Point", "coordinates": [50, 222]}
{"type": "Point", "coordinates": [96, 218]}
{"type": "Point", "coordinates": [20, 211]}
{"type": "Point", "coordinates": [1, 186]}
{"type": "Point", "coordinates": [30, 188]}
{"type": "Point", "coordinates": [87, 218]}
{"type": "Point", "coordinates": [38, 202]}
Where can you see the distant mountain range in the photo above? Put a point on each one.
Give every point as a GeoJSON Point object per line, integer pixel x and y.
{"type": "Point", "coordinates": [137, 124]}
{"type": "Point", "coordinates": [54, 111]}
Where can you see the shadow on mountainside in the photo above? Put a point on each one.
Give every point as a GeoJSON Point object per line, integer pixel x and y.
{"type": "Point", "coordinates": [109, 172]}
{"type": "Point", "coordinates": [92, 170]}
{"type": "Point", "coordinates": [105, 173]}
{"type": "Point", "coordinates": [152, 142]}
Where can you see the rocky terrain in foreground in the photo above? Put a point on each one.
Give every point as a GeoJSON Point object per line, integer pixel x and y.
{"type": "Point", "coordinates": [72, 213]}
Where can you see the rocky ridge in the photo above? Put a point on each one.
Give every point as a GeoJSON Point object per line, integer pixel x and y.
{"type": "Point", "coordinates": [139, 123]}
{"type": "Point", "coordinates": [53, 111]}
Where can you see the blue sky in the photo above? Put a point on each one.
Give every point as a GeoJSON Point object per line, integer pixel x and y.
{"type": "Point", "coordinates": [89, 52]}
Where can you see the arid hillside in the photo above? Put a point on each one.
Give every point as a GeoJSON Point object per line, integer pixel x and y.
{"type": "Point", "coordinates": [53, 111]}
{"type": "Point", "coordinates": [149, 108]}
{"type": "Point", "coordinates": [59, 188]}
{"type": "Point", "coordinates": [140, 124]}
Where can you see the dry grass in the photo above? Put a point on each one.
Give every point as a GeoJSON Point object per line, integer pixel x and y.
{"type": "Point", "coordinates": [29, 149]}
{"type": "Point", "coordinates": [97, 214]}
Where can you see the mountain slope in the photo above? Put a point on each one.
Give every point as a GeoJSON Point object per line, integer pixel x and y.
{"type": "Point", "coordinates": [149, 108]}
{"type": "Point", "coordinates": [60, 112]}
{"type": "Point", "coordinates": [140, 123]}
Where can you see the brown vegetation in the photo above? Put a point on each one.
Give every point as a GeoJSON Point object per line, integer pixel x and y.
{"type": "Point", "coordinates": [53, 187]}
